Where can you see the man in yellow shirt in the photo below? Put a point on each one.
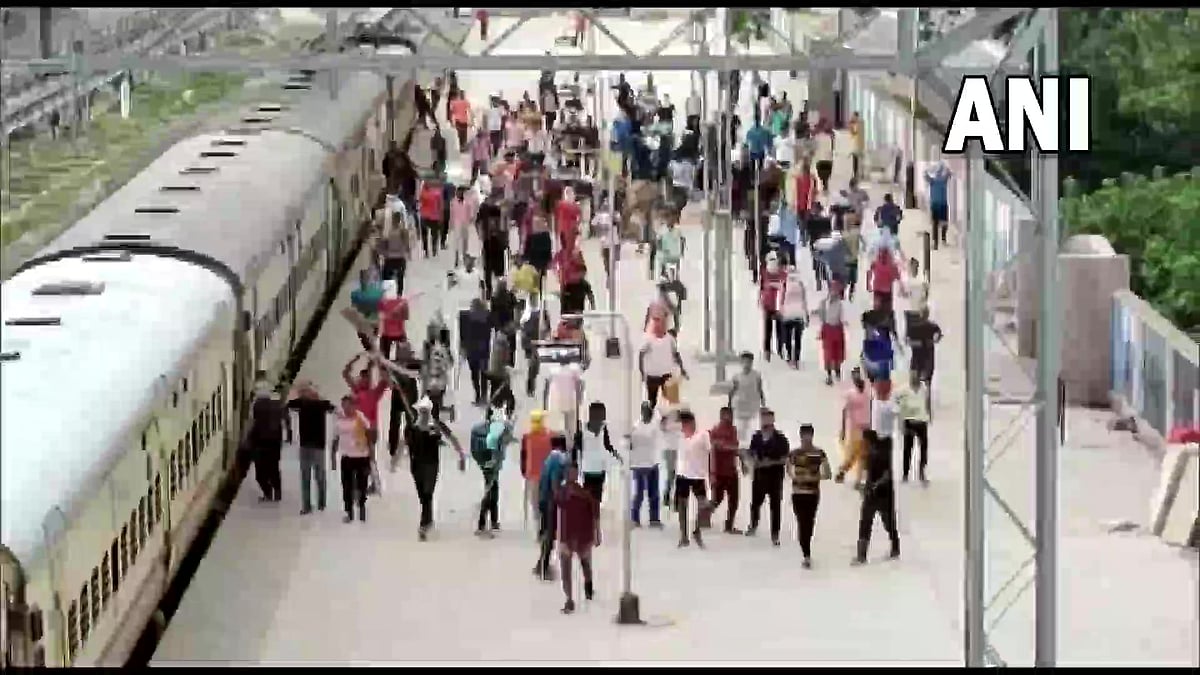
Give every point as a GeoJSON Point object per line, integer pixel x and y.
{"type": "Point", "coordinates": [857, 142]}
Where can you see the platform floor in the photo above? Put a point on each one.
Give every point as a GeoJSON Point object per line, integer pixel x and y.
{"type": "Point", "coordinates": [278, 588]}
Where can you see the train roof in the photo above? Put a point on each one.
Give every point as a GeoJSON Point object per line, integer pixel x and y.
{"type": "Point", "coordinates": [233, 194]}
{"type": "Point", "coordinates": [234, 214]}
{"type": "Point", "coordinates": [76, 390]}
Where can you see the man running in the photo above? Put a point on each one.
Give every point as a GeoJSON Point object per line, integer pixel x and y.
{"type": "Point", "coordinates": [535, 448]}
{"type": "Point", "coordinates": [912, 404]}
{"type": "Point", "coordinates": [726, 458]}
{"type": "Point", "coordinates": [695, 450]}
{"type": "Point", "coordinates": [424, 439]}
{"type": "Point", "coordinates": [768, 453]}
{"type": "Point", "coordinates": [807, 466]}
{"type": "Point", "coordinates": [658, 358]}
{"type": "Point", "coordinates": [488, 452]}
{"type": "Point", "coordinates": [592, 448]}
{"type": "Point", "coordinates": [366, 394]}
{"type": "Point", "coordinates": [268, 419]}
{"type": "Point", "coordinates": [879, 498]}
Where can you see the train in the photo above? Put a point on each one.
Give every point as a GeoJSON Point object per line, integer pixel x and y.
{"type": "Point", "coordinates": [130, 348]}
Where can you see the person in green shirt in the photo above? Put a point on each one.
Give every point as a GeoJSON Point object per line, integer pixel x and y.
{"type": "Point", "coordinates": [914, 414]}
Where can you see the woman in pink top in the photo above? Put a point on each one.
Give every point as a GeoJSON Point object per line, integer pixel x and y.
{"type": "Point", "coordinates": [856, 417]}
{"type": "Point", "coordinates": [462, 215]}
{"type": "Point", "coordinates": [353, 442]}
{"type": "Point", "coordinates": [514, 133]}
{"type": "Point", "coordinates": [393, 314]}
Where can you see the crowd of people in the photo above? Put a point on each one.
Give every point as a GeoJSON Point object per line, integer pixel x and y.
{"type": "Point", "coordinates": [515, 224]}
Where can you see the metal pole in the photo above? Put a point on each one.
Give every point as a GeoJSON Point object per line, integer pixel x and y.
{"type": "Point", "coordinates": [727, 259]}
{"type": "Point", "coordinates": [331, 37]}
{"type": "Point", "coordinates": [1046, 562]}
{"type": "Point", "coordinates": [974, 576]}
{"type": "Point", "coordinates": [629, 605]}
{"type": "Point", "coordinates": [699, 35]}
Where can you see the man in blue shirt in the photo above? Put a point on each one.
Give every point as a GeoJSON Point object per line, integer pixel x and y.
{"type": "Point", "coordinates": [938, 177]}
{"type": "Point", "coordinates": [758, 141]}
{"type": "Point", "coordinates": [553, 471]}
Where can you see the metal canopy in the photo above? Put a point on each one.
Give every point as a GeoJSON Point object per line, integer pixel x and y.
{"type": "Point", "coordinates": [821, 56]}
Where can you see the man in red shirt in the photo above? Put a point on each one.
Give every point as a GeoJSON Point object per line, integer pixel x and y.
{"type": "Point", "coordinates": [566, 219]}
{"type": "Point", "coordinates": [724, 467]}
{"type": "Point", "coordinates": [366, 395]}
{"type": "Point", "coordinates": [882, 277]}
{"type": "Point", "coordinates": [393, 315]}
{"type": "Point", "coordinates": [430, 205]}
{"type": "Point", "coordinates": [806, 188]}
{"type": "Point", "coordinates": [579, 530]}
{"type": "Point", "coordinates": [771, 285]}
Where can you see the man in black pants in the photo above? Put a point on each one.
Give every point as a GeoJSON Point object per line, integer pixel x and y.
{"type": "Point", "coordinates": [404, 395]}
{"type": "Point", "coordinates": [424, 439]}
{"type": "Point", "coordinates": [268, 417]}
{"type": "Point", "coordinates": [879, 496]}
{"type": "Point", "coordinates": [808, 466]}
{"type": "Point", "coordinates": [769, 452]}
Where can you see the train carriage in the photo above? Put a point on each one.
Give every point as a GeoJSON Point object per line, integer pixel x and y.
{"type": "Point", "coordinates": [130, 346]}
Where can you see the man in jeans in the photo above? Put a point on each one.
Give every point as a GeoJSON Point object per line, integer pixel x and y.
{"type": "Point", "coordinates": [724, 467]}
{"type": "Point", "coordinates": [312, 411]}
{"type": "Point", "coordinates": [643, 461]}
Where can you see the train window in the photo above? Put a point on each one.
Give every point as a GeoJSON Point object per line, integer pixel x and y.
{"type": "Point", "coordinates": [282, 246]}
{"type": "Point", "coordinates": [354, 185]}
{"type": "Point", "coordinates": [114, 558]}
{"type": "Point", "coordinates": [174, 473]}
{"type": "Point", "coordinates": [197, 443]}
{"type": "Point", "coordinates": [371, 152]}
{"type": "Point", "coordinates": [175, 399]}
{"type": "Point", "coordinates": [142, 528]}
{"type": "Point", "coordinates": [94, 587]}
{"type": "Point", "coordinates": [158, 500]}
{"type": "Point", "coordinates": [72, 629]}
{"type": "Point", "coordinates": [124, 549]}
{"type": "Point", "coordinates": [143, 441]}
{"type": "Point", "coordinates": [106, 579]}
{"type": "Point", "coordinates": [85, 615]}
{"type": "Point", "coordinates": [135, 542]}
{"type": "Point", "coordinates": [185, 385]}
{"type": "Point", "coordinates": [39, 657]}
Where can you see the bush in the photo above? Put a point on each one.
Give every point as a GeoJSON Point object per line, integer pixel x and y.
{"type": "Point", "coordinates": [1157, 224]}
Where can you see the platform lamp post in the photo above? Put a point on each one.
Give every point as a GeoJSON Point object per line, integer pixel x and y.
{"type": "Point", "coordinates": [629, 606]}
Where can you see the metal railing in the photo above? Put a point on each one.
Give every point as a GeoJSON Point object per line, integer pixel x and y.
{"type": "Point", "coordinates": [30, 106]}
{"type": "Point", "coordinates": [1155, 366]}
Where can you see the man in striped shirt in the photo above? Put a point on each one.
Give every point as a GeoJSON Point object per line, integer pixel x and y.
{"type": "Point", "coordinates": [807, 466]}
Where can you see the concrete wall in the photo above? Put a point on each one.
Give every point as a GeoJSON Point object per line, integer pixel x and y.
{"type": "Point", "coordinates": [1089, 272]}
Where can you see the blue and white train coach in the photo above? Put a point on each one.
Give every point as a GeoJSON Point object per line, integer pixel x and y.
{"type": "Point", "coordinates": [130, 347]}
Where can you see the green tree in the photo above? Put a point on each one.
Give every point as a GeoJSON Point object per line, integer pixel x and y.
{"type": "Point", "coordinates": [1155, 223]}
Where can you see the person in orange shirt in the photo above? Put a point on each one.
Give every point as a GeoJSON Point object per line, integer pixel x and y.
{"type": "Point", "coordinates": [460, 117]}
{"type": "Point", "coordinates": [430, 206]}
{"type": "Point", "coordinates": [535, 448]}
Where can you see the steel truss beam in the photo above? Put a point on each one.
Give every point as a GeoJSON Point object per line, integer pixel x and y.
{"type": "Point", "coordinates": [508, 32]}
{"type": "Point", "coordinates": [608, 33]}
{"type": "Point", "coordinates": [683, 27]}
{"type": "Point", "coordinates": [1040, 33]}
{"type": "Point", "coordinates": [392, 63]}
{"type": "Point", "coordinates": [435, 31]}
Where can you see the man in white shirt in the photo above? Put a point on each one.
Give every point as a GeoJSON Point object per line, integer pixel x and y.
{"type": "Point", "coordinates": [643, 461]}
{"type": "Point", "coordinates": [691, 472]}
{"type": "Point", "coordinates": [883, 412]}
{"type": "Point", "coordinates": [495, 125]}
{"type": "Point", "coordinates": [592, 450]}
{"type": "Point", "coordinates": [561, 395]}
{"type": "Point", "coordinates": [657, 361]}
